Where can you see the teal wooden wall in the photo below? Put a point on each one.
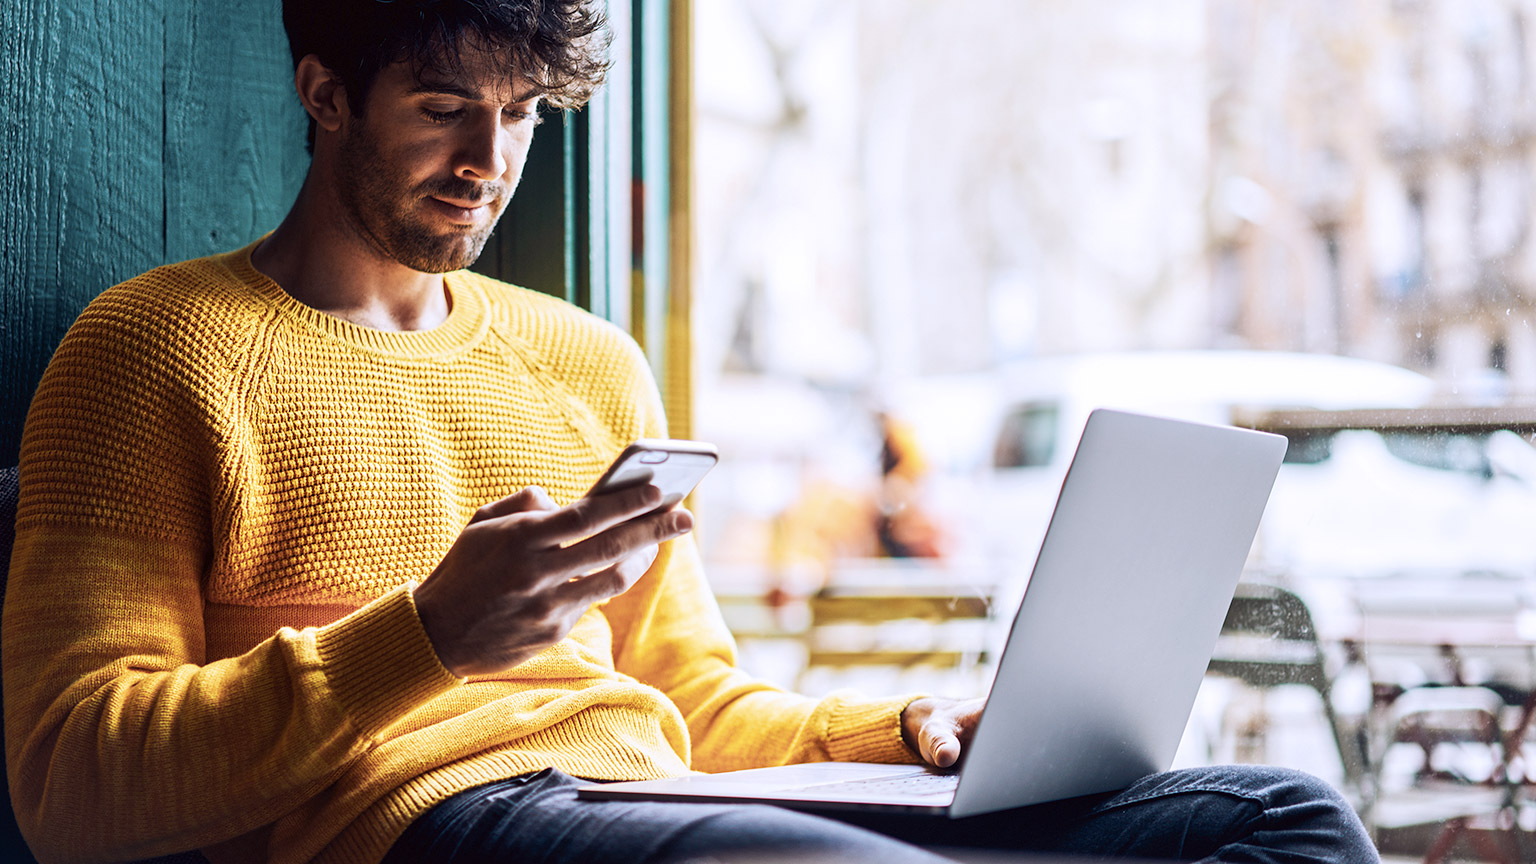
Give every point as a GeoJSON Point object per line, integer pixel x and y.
{"type": "Point", "coordinates": [134, 134]}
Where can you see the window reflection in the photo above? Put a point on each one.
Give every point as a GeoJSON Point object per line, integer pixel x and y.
{"type": "Point", "coordinates": [984, 217]}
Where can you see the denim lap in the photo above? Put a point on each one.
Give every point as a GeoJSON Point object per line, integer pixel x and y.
{"type": "Point", "coordinates": [537, 819]}
{"type": "Point", "coordinates": [1225, 814]}
{"type": "Point", "coordinates": [1245, 813]}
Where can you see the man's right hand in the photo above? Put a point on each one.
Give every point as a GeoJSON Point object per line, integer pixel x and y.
{"type": "Point", "coordinates": [524, 570]}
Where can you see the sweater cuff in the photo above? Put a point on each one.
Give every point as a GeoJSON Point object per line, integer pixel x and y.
{"type": "Point", "coordinates": [380, 663]}
{"type": "Point", "coordinates": [861, 730]}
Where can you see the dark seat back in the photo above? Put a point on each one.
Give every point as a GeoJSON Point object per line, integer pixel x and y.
{"type": "Point", "coordinates": [9, 489]}
{"type": "Point", "coordinates": [11, 845]}
{"type": "Point", "coordinates": [1269, 640]}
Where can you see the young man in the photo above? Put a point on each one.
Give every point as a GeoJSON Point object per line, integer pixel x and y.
{"type": "Point", "coordinates": [246, 614]}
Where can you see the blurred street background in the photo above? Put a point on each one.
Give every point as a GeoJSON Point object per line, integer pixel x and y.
{"type": "Point", "coordinates": [933, 235]}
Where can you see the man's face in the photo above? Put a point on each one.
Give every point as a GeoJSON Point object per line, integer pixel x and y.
{"type": "Point", "coordinates": [427, 170]}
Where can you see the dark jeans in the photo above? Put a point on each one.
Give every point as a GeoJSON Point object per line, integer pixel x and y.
{"type": "Point", "coordinates": [1231, 814]}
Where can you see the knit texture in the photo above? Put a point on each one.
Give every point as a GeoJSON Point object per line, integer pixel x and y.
{"type": "Point", "coordinates": [226, 497]}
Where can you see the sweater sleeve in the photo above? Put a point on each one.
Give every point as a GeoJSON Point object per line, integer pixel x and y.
{"type": "Point", "coordinates": [122, 740]}
{"type": "Point", "coordinates": [669, 633]}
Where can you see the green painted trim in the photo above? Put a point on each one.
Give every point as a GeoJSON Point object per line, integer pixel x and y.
{"type": "Point", "coordinates": [573, 143]}
{"type": "Point", "coordinates": [653, 159]}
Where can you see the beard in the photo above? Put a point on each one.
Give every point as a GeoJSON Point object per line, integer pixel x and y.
{"type": "Point", "coordinates": [382, 204]}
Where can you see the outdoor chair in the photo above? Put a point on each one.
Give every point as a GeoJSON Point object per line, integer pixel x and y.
{"type": "Point", "coordinates": [1268, 640]}
{"type": "Point", "coordinates": [895, 618]}
{"type": "Point", "coordinates": [1444, 803]}
{"type": "Point", "coordinates": [1454, 695]}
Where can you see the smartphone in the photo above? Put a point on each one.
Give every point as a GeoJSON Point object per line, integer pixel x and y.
{"type": "Point", "coordinates": [672, 465]}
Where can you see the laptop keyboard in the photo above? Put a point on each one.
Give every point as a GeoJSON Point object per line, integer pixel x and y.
{"type": "Point", "coordinates": [913, 784]}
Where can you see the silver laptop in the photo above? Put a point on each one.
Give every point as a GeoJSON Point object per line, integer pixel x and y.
{"type": "Point", "coordinates": [1094, 687]}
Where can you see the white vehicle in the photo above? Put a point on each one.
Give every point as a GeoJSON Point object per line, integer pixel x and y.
{"type": "Point", "coordinates": [1028, 415]}
{"type": "Point", "coordinates": [1352, 504]}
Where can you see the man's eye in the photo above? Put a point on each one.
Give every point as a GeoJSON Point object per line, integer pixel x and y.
{"type": "Point", "coordinates": [518, 116]}
{"type": "Point", "coordinates": [440, 116]}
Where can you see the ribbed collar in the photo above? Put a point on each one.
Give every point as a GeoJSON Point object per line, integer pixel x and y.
{"type": "Point", "coordinates": [465, 325]}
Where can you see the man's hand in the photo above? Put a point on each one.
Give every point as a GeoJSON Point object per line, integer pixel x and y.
{"type": "Point", "coordinates": [523, 571]}
{"type": "Point", "coordinates": [940, 729]}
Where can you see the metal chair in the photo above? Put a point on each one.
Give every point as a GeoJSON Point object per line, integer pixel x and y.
{"type": "Point", "coordinates": [1268, 640]}
{"type": "Point", "coordinates": [1442, 805]}
{"type": "Point", "coordinates": [1453, 698]}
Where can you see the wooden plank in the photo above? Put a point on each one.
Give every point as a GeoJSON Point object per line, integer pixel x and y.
{"type": "Point", "coordinates": [117, 114]}
{"type": "Point", "coordinates": [234, 129]}
{"type": "Point", "coordinates": [906, 659]}
{"type": "Point", "coordinates": [80, 197]}
{"type": "Point", "coordinates": [874, 608]}
{"type": "Point", "coordinates": [1451, 419]}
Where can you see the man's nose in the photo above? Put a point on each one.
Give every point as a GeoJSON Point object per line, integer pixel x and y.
{"type": "Point", "coordinates": [483, 149]}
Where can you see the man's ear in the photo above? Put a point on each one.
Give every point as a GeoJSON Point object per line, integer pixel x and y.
{"type": "Point", "coordinates": [323, 95]}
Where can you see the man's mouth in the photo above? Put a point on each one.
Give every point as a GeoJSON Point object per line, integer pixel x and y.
{"type": "Point", "coordinates": [461, 209]}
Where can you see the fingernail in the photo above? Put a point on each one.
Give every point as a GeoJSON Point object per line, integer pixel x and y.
{"type": "Point", "coordinates": [682, 520]}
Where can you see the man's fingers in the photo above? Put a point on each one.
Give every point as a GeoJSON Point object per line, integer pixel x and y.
{"type": "Point", "coordinates": [953, 730]}
{"type": "Point", "coordinates": [610, 581]}
{"type": "Point", "coordinates": [622, 541]}
{"type": "Point", "coordinates": [597, 513]}
{"type": "Point", "coordinates": [521, 501]}
{"type": "Point", "coordinates": [941, 746]}
{"type": "Point", "coordinates": [940, 730]}
{"type": "Point", "coordinates": [967, 717]}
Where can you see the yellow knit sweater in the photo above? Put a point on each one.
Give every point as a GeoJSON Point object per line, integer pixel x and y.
{"type": "Point", "coordinates": [209, 637]}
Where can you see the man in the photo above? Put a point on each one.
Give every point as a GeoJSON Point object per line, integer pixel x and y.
{"type": "Point", "coordinates": [246, 614]}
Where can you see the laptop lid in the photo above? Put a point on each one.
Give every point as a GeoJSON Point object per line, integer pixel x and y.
{"type": "Point", "coordinates": [1116, 627]}
{"type": "Point", "coordinates": [1122, 611]}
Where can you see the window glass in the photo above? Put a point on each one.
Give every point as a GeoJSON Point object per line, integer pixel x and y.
{"type": "Point", "coordinates": [933, 236]}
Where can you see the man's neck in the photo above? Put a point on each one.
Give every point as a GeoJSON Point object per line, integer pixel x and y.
{"type": "Point", "coordinates": [320, 261]}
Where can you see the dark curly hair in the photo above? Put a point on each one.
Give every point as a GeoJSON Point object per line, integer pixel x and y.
{"type": "Point", "coordinates": [560, 46]}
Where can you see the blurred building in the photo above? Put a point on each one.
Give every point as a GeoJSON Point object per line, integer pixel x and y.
{"type": "Point", "coordinates": [889, 190]}
{"type": "Point", "coordinates": [1371, 184]}
{"type": "Point", "coordinates": [905, 188]}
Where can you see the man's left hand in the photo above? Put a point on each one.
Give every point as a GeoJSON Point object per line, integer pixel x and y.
{"type": "Point", "coordinates": [940, 729]}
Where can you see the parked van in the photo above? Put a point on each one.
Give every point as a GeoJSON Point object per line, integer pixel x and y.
{"type": "Point", "coordinates": [1044, 403]}
{"type": "Point", "coordinates": [1029, 414]}
{"type": "Point", "coordinates": [1352, 504]}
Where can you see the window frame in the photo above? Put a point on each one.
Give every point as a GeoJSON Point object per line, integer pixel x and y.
{"type": "Point", "coordinates": [602, 216]}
